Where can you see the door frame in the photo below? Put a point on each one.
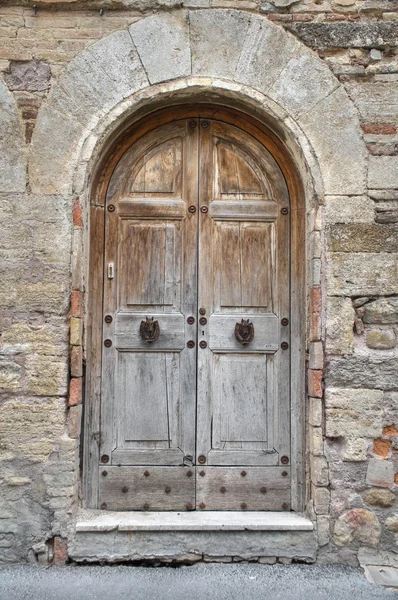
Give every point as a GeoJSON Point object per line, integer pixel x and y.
{"type": "Point", "coordinates": [91, 427]}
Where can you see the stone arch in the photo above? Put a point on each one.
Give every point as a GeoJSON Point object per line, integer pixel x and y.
{"type": "Point", "coordinates": [168, 59]}
{"type": "Point", "coordinates": [12, 152]}
{"type": "Point", "coordinates": [255, 55]}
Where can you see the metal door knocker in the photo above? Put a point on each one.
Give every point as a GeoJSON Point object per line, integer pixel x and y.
{"type": "Point", "coordinates": [244, 332]}
{"type": "Point", "coordinates": [149, 330]}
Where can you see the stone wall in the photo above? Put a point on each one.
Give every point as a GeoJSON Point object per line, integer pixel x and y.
{"type": "Point", "coordinates": [353, 246]}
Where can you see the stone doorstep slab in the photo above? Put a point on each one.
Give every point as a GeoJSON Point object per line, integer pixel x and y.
{"type": "Point", "coordinates": [194, 521]}
{"type": "Point", "coordinates": [191, 536]}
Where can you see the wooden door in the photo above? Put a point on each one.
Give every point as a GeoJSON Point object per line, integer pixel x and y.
{"type": "Point", "coordinates": [196, 359]}
{"type": "Point", "coordinates": [243, 413]}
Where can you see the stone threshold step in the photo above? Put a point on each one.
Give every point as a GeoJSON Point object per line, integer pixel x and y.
{"type": "Point", "coordinates": [96, 521]}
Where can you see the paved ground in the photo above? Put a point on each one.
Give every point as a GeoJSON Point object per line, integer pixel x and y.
{"type": "Point", "coordinates": [199, 582]}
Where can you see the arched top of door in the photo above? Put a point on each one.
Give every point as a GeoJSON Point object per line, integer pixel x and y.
{"type": "Point", "coordinates": [253, 147]}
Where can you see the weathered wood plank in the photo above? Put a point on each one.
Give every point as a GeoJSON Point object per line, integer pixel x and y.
{"type": "Point", "coordinates": [150, 488]}
{"type": "Point", "coordinates": [224, 488]}
{"type": "Point", "coordinates": [244, 210]}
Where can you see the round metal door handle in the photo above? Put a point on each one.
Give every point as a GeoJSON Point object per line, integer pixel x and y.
{"type": "Point", "coordinates": [111, 208]}
{"type": "Point", "coordinates": [285, 322]}
{"type": "Point", "coordinates": [108, 319]}
{"type": "Point", "coordinates": [108, 343]}
{"type": "Point", "coordinates": [201, 459]}
{"type": "Point", "coordinates": [203, 320]}
{"type": "Point", "coordinates": [191, 320]}
{"type": "Point", "coordinates": [191, 344]}
{"type": "Point", "coordinates": [203, 344]}
{"type": "Point", "coordinates": [284, 210]}
{"type": "Point", "coordinates": [284, 345]}
{"type": "Point", "coordinates": [204, 209]}
{"type": "Point", "coordinates": [192, 209]}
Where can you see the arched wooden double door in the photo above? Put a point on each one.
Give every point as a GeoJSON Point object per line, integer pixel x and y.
{"type": "Point", "coordinates": [195, 397]}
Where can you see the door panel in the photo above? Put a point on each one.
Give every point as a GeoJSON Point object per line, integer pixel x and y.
{"type": "Point", "coordinates": [243, 399]}
{"type": "Point", "coordinates": [150, 281]}
{"type": "Point", "coordinates": [196, 359]}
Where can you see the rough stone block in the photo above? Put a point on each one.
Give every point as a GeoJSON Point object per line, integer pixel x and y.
{"type": "Point", "coordinates": [370, 34]}
{"type": "Point", "coordinates": [303, 83]}
{"type": "Point", "coordinates": [321, 500]}
{"type": "Point", "coordinates": [362, 274]}
{"type": "Point", "coordinates": [379, 498]}
{"type": "Point", "coordinates": [30, 76]}
{"type": "Point", "coordinates": [359, 525]}
{"type": "Point", "coordinates": [12, 151]}
{"type": "Point", "coordinates": [361, 237]}
{"type": "Point", "coordinates": [355, 449]}
{"type": "Point", "coordinates": [315, 412]}
{"type": "Point", "coordinates": [162, 42]}
{"type": "Point", "coordinates": [316, 441]}
{"type": "Point", "coordinates": [57, 151]}
{"type": "Point", "coordinates": [363, 372]}
{"type": "Point", "coordinates": [381, 339]}
{"type": "Point", "coordinates": [29, 428]}
{"type": "Point", "coordinates": [349, 209]}
{"type": "Point", "coordinates": [10, 375]}
{"type": "Point", "coordinates": [339, 326]}
{"type": "Point", "coordinates": [266, 52]}
{"type": "Point", "coordinates": [207, 28]}
{"type": "Point", "coordinates": [341, 129]}
{"type": "Point", "coordinates": [380, 473]}
{"type": "Point", "coordinates": [319, 471]}
{"type": "Point", "coordinates": [316, 355]}
{"type": "Point", "coordinates": [377, 104]}
{"type": "Point", "coordinates": [76, 331]}
{"type": "Point", "coordinates": [46, 375]}
{"type": "Point", "coordinates": [353, 413]}
{"type": "Point", "coordinates": [383, 172]}
{"type": "Point", "coordinates": [323, 530]}
{"type": "Point", "coordinates": [382, 311]}
{"type": "Point", "coordinates": [392, 523]}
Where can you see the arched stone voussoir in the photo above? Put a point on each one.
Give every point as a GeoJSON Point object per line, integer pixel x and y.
{"type": "Point", "coordinates": [12, 145]}
{"type": "Point", "coordinates": [93, 83]}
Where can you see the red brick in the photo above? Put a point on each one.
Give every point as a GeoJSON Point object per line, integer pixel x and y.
{"type": "Point", "coordinates": [60, 550]}
{"type": "Point", "coordinates": [75, 391]}
{"type": "Point", "coordinates": [76, 302]}
{"type": "Point", "coordinates": [315, 383]}
{"type": "Point", "coordinates": [77, 213]}
{"type": "Point", "coordinates": [74, 421]}
{"type": "Point", "coordinates": [315, 299]}
{"type": "Point", "coordinates": [76, 361]}
{"type": "Point", "coordinates": [315, 327]}
{"type": "Point", "coordinates": [303, 17]}
{"type": "Point", "coordinates": [390, 430]}
{"type": "Point", "coordinates": [381, 448]}
{"type": "Point", "coordinates": [29, 127]}
{"type": "Point", "coordinates": [379, 128]}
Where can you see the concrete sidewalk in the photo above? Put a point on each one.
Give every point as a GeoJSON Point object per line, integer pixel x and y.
{"type": "Point", "coordinates": [198, 582]}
